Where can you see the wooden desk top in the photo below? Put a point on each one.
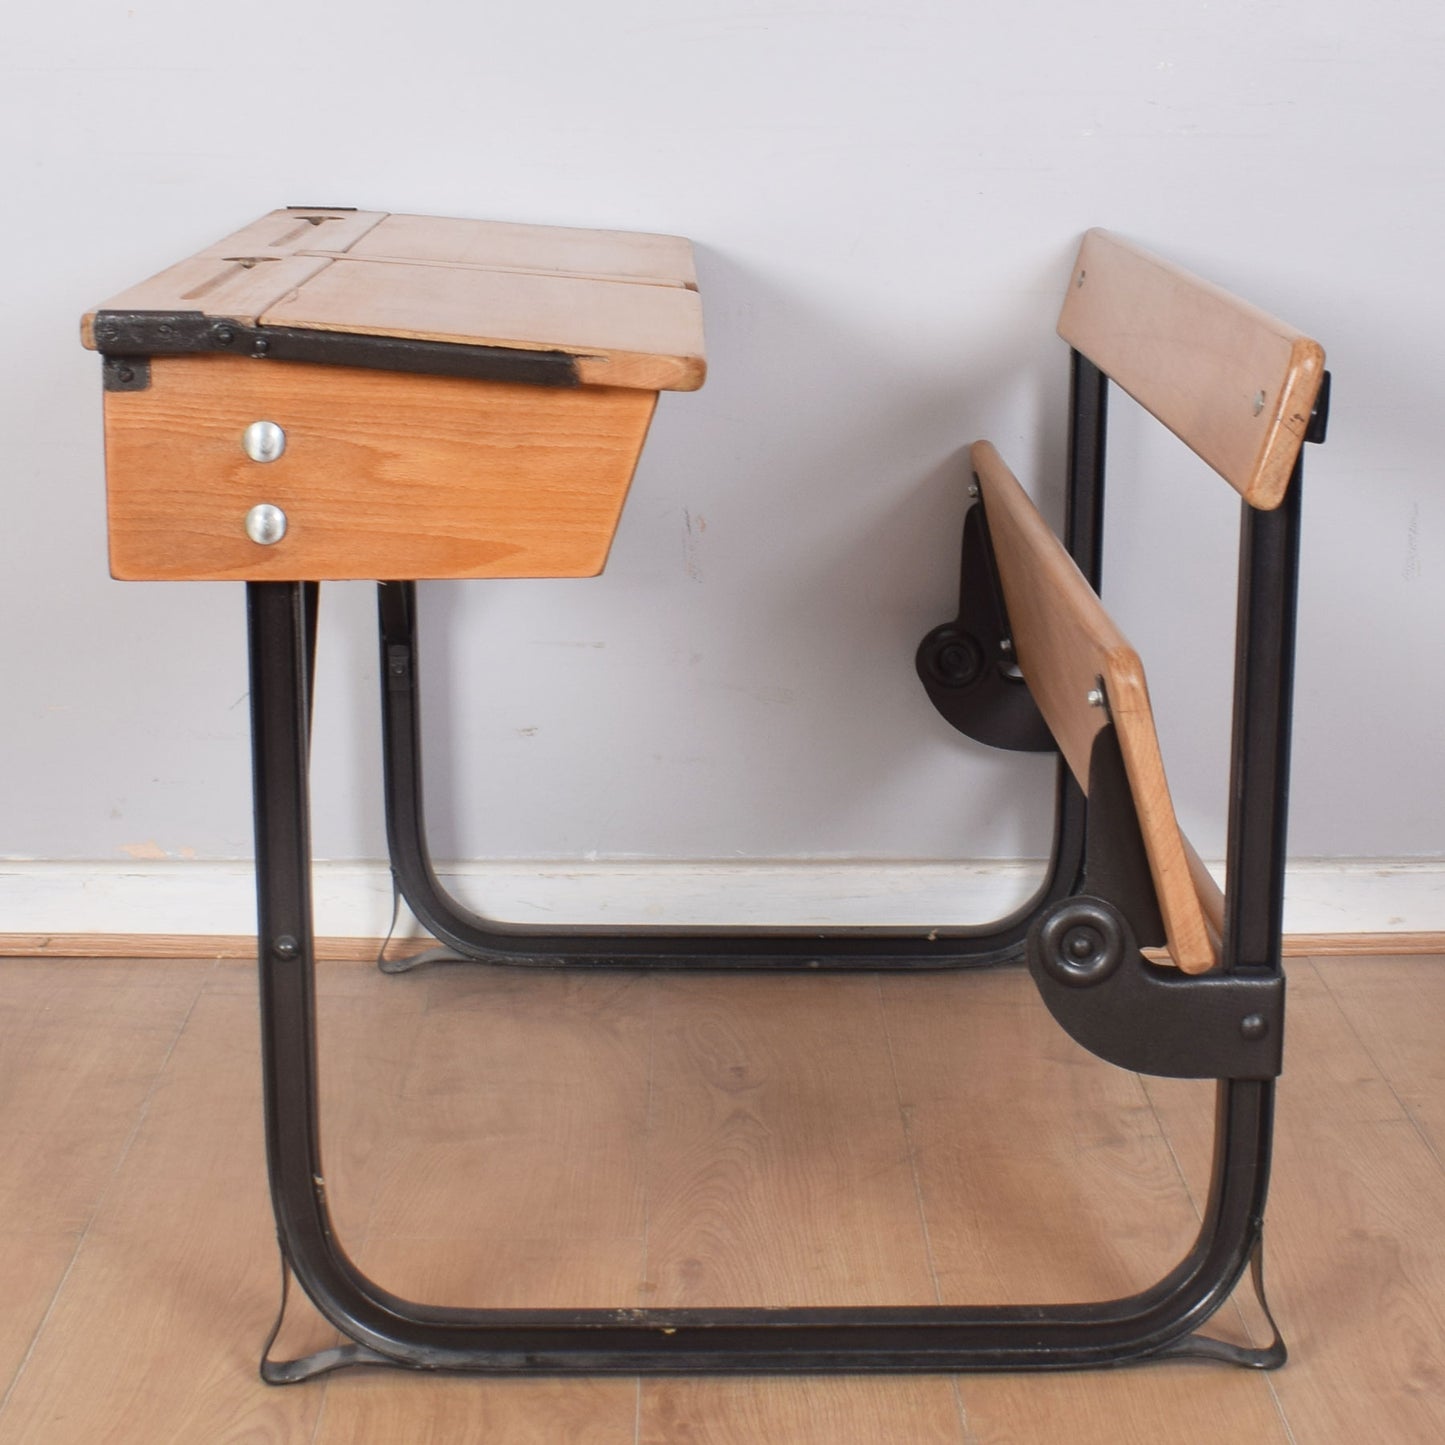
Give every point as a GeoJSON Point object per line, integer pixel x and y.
{"type": "Point", "coordinates": [623, 306]}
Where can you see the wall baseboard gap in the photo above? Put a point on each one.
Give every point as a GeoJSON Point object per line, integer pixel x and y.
{"type": "Point", "coordinates": [242, 947]}
{"type": "Point", "coordinates": [208, 900]}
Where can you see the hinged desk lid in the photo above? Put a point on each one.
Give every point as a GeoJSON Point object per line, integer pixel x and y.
{"type": "Point", "coordinates": [622, 305]}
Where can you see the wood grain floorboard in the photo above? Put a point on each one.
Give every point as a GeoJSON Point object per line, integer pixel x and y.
{"type": "Point", "coordinates": [1043, 1172]}
{"type": "Point", "coordinates": [1397, 1010]}
{"type": "Point", "coordinates": [523, 1137]}
{"type": "Point", "coordinates": [873, 1410]}
{"type": "Point", "coordinates": [80, 1056]}
{"type": "Point", "coordinates": [1046, 1177]}
{"type": "Point", "coordinates": [69, 1098]}
{"type": "Point", "coordinates": [32, 1266]}
{"type": "Point", "coordinates": [155, 1332]}
{"type": "Point", "coordinates": [1354, 1243]}
{"type": "Point", "coordinates": [526, 1095]}
{"type": "Point", "coordinates": [778, 1166]}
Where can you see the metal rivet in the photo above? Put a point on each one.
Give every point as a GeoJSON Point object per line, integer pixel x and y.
{"type": "Point", "coordinates": [124, 373]}
{"type": "Point", "coordinates": [224, 335]}
{"type": "Point", "coordinates": [1253, 1027]}
{"type": "Point", "coordinates": [265, 524]}
{"type": "Point", "coordinates": [1095, 697]}
{"type": "Point", "coordinates": [264, 441]}
{"type": "Point", "coordinates": [261, 346]}
{"type": "Point", "coordinates": [973, 489]}
{"type": "Point", "coordinates": [1005, 644]}
{"type": "Point", "coordinates": [286, 947]}
{"type": "Point", "coordinates": [1259, 400]}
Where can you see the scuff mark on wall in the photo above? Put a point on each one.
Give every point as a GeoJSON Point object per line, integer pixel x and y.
{"type": "Point", "coordinates": [1412, 568]}
{"type": "Point", "coordinates": [693, 528]}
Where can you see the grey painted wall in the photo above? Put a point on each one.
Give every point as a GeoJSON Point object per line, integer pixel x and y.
{"type": "Point", "coordinates": [886, 198]}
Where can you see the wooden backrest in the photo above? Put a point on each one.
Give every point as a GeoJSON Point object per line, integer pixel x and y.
{"type": "Point", "coordinates": [1067, 648]}
{"type": "Point", "coordinates": [1234, 384]}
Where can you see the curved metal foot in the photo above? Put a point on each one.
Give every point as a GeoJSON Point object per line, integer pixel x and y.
{"type": "Point", "coordinates": [323, 1362]}
{"type": "Point", "coordinates": [439, 954]}
{"type": "Point", "coordinates": [1250, 1357]}
{"type": "Point", "coordinates": [308, 1367]}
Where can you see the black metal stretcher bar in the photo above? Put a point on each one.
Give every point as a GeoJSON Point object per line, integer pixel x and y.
{"type": "Point", "coordinates": [1015, 723]}
{"type": "Point", "coordinates": [1162, 1321]}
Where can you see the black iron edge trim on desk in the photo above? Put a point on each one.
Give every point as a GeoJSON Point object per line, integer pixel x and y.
{"type": "Point", "coordinates": [125, 338]}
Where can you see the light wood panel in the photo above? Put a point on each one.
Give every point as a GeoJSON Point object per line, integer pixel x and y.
{"type": "Point", "coordinates": [237, 288]}
{"type": "Point", "coordinates": [1081, 1136]}
{"type": "Point", "coordinates": [1067, 646]}
{"type": "Point", "coordinates": [1397, 1010]}
{"type": "Point", "coordinates": [623, 304]}
{"type": "Point", "coordinates": [778, 1168]}
{"type": "Point", "coordinates": [1007, 1128]}
{"type": "Point", "coordinates": [535, 1086]}
{"type": "Point", "coordinates": [69, 1096]}
{"type": "Point", "coordinates": [298, 230]}
{"type": "Point", "coordinates": [508, 246]}
{"type": "Point", "coordinates": [1233, 383]}
{"type": "Point", "coordinates": [385, 475]}
{"type": "Point", "coordinates": [621, 335]}
{"type": "Point", "coordinates": [876, 1410]}
{"type": "Point", "coordinates": [155, 1332]}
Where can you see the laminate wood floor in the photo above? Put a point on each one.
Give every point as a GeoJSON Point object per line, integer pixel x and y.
{"type": "Point", "coordinates": [512, 1137]}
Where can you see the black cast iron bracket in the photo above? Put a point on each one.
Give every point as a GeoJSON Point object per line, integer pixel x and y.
{"type": "Point", "coordinates": [125, 336]}
{"type": "Point", "coordinates": [1083, 953]}
{"type": "Point", "coordinates": [967, 666]}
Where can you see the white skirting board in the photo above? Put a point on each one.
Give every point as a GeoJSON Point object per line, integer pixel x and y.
{"type": "Point", "coordinates": [354, 899]}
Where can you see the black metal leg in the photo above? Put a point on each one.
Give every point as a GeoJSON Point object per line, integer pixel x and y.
{"type": "Point", "coordinates": [384, 1329]}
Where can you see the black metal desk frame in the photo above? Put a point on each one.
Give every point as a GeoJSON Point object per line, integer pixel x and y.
{"type": "Point", "coordinates": [1226, 1024]}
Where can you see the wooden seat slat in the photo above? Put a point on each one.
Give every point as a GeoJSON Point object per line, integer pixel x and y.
{"type": "Point", "coordinates": [1067, 646]}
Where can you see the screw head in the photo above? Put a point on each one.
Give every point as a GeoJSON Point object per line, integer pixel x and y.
{"type": "Point", "coordinates": [1253, 1027]}
{"type": "Point", "coordinates": [1095, 697]}
{"type": "Point", "coordinates": [263, 441]}
{"type": "Point", "coordinates": [265, 524]}
{"type": "Point", "coordinates": [286, 947]}
{"type": "Point", "coordinates": [224, 335]}
{"type": "Point", "coordinates": [125, 374]}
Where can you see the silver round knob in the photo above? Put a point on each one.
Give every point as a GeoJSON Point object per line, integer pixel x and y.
{"type": "Point", "coordinates": [265, 524]}
{"type": "Point", "coordinates": [264, 441]}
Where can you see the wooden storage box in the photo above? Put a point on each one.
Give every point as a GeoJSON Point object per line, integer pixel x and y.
{"type": "Point", "coordinates": [447, 398]}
